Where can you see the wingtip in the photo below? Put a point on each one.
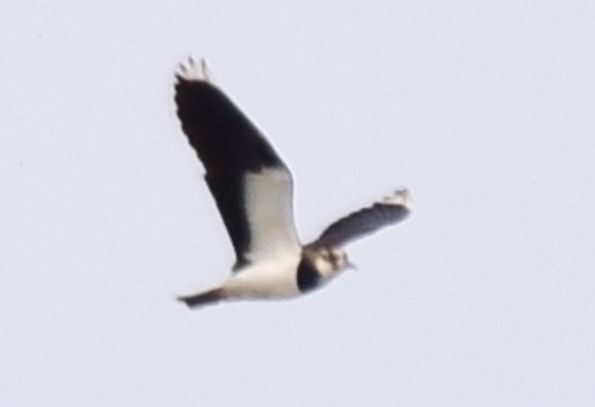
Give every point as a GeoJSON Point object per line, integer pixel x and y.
{"type": "Point", "coordinates": [401, 197]}
{"type": "Point", "coordinates": [193, 71]}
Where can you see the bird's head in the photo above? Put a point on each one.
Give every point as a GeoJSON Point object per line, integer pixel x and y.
{"type": "Point", "coordinates": [328, 261]}
{"type": "Point", "coordinates": [319, 264]}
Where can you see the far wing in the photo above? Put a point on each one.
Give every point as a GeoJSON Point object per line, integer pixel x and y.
{"type": "Point", "coordinates": [366, 221]}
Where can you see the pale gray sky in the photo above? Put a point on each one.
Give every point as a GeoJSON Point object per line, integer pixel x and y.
{"type": "Point", "coordinates": [485, 297]}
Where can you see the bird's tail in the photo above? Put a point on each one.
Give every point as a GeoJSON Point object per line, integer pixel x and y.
{"type": "Point", "coordinates": [204, 298]}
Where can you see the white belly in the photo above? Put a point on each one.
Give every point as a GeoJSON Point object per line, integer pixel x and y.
{"type": "Point", "coordinates": [270, 279]}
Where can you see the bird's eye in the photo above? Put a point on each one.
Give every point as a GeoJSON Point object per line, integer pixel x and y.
{"type": "Point", "coordinates": [333, 258]}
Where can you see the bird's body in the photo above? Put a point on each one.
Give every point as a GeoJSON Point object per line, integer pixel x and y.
{"type": "Point", "coordinates": [272, 278]}
{"type": "Point", "coordinates": [253, 190]}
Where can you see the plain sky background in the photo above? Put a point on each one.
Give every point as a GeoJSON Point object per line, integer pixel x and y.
{"type": "Point", "coordinates": [484, 297]}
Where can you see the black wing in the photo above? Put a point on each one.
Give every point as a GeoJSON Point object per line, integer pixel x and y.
{"type": "Point", "coordinates": [366, 221]}
{"type": "Point", "coordinates": [242, 168]}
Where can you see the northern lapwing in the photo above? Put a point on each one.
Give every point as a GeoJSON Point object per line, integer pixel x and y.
{"type": "Point", "coordinates": [253, 190]}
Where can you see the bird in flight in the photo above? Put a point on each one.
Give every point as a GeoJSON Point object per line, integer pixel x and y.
{"type": "Point", "coordinates": [253, 190]}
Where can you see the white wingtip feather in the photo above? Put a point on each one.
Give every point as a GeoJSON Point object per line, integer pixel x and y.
{"type": "Point", "coordinates": [399, 197]}
{"type": "Point", "coordinates": [190, 70]}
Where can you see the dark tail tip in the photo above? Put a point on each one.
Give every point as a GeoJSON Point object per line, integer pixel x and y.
{"type": "Point", "coordinates": [205, 298]}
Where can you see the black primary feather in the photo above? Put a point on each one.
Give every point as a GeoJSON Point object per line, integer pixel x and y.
{"type": "Point", "coordinates": [361, 223]}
